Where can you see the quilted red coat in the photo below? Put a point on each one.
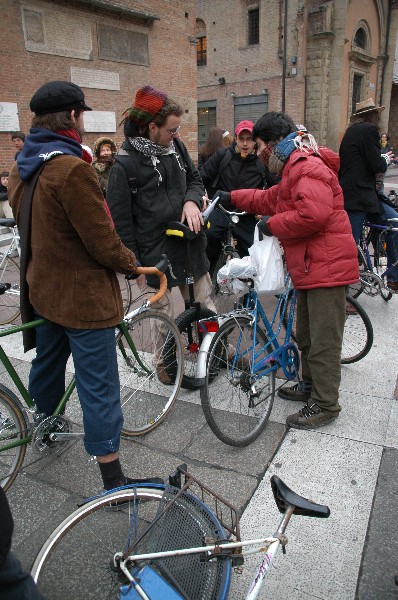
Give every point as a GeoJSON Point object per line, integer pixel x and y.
{"type": "Point", "coordinates": [309, 219]}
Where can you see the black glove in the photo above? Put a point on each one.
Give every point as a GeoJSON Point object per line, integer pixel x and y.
{"type": "Point", "coordinates": [263, 226]}
{"type": "Point", "coordinates": [225, 199]}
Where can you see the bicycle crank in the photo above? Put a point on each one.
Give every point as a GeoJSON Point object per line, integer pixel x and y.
{"type": "Point", "coordinates": [371, 283]}
{"type": "Point", "coordinates": [52, 434]}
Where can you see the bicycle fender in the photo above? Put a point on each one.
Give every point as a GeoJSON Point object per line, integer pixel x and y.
{"type": "Point", "coordinates": [200, 372]}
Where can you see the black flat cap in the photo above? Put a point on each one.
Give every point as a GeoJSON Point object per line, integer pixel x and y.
{"type": "Point", "coordinates": [56, 96]}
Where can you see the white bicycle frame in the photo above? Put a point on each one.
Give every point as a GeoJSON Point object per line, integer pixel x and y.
{"type": "Point", "coordinates": [270, 545]}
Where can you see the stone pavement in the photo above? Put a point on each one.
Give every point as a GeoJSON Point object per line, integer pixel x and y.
{"type": "Point", "coordinates": [351, 465]}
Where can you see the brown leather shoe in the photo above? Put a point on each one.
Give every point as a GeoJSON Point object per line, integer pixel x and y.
{"type": "Point", "coordinates": [311, 417]}
{"type": "Point", "coordinates": [393, 285]}
{"type": "Point", "coordinates": [163, 376]}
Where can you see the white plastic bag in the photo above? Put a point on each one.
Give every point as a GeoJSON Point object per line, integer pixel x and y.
{"type": "Point", "coordinates": [267, 256]}
{"type": "Point", "coordinates": [228, 276]}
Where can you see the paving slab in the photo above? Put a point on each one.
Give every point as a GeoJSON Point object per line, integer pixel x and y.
{"type": "Point", "coordinates": [349, 464]}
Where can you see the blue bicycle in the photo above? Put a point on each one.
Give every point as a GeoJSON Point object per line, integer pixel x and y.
{"type": "Point", "coordinates": [238, 362]}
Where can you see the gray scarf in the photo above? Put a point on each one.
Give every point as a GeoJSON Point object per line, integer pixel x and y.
{"type": "Point", "coordinates": [149, 148]}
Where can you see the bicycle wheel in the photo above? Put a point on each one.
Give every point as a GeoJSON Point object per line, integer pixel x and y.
{"type": "Point", "coordinates": [10, 300]}
{"type": "Point", "coordinates": [156, 356]}
{"type": "Point", "coordinates": [380, 261]}
{"type": "Point", "coordinates": [125, 289]}
{"type": "Point", "coordinates": [223, 300]}
{"type": "Point", "coordinates": [188, 327]}
{"type": "Point", "coordinates": [358, 332]}
{"type": "Point", "coordinates": [237, 404]}
{"type": "Point", "coordinates": [13, 427]}
{"type": "Point", "coordinates": [77, 561]}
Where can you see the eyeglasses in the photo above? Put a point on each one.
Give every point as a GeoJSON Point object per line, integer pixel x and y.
{"type": "Point", "coordinates": [174, 131]}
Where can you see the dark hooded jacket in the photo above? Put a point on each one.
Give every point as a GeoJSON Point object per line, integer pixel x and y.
{"type": "Point", "coordinates": [144, 196]}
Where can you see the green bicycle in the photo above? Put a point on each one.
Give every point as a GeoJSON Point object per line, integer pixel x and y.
{"type": "Point", "coordinates": [145, 338]}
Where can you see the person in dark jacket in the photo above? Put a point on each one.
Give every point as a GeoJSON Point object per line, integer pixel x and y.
{"type": "Point", "coordinates": [361, 160]}
{"type": "Point", "coordinates": [18, 139]}
{"type": "Point", "coordinates": [234, 168]}
{"type": "Point", "coordinates": [152, 182]}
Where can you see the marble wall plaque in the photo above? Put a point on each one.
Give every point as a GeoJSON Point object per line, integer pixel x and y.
{"type": "Point", "coordinates": [121, 45]}
{"type": "Point", "coordinates": [49, 31]}
{"type": "Point", "coordinates": [100, 121]}
{"type": "Point", "coordinates": [9, 120]}
{"type": "Point", "coordinates": [94, 78]}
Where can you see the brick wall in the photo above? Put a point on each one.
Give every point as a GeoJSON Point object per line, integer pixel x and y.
{"type": "Point", "coordinates": [172, 62]}
{"type": "Point", "coordinates": [248, 70]}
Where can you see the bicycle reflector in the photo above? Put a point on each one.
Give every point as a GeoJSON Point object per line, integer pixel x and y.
{"type": "Point", "coordinates": [208, 326]}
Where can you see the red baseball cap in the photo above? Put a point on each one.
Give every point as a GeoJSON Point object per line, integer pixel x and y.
{"type": "Point", "coordinates": [249, 125]}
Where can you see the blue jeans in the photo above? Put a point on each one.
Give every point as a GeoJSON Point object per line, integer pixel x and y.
{"type": "Point", "coordinates": [97, 380]}
{"type": "Point", "coordinates": [357, 219]}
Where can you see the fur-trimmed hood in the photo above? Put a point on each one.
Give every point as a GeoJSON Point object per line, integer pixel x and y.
{"type": "Point", "coordinates": [103, 140]}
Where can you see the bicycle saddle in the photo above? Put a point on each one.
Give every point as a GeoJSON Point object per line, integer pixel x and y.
{"type": "Point", "coordinates": [7, 222]}
{"type": "Point", "coordinates": [177, 229]}
{"type": "Point", "coordinates": [284, 497]}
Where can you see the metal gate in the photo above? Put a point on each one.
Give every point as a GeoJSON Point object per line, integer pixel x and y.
{"type": "Point", "coordinates": [250, 107]}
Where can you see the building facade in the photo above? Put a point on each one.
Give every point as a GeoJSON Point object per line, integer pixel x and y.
{"type": "Point", "coordinates": [313, 59]}
{"type": "Point", "coordinates": [109, 49]}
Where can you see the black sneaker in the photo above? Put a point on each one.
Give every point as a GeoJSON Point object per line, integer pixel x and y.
{"type": "Point", "coordinates": [300, 392]}
{"type": "Point", "coordinates": [311, 417]}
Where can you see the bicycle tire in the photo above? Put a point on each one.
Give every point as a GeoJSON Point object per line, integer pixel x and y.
{"type": "Point", "coordinates": [358, 333]}
{"type": "Point", "coordinates": [125, 290]}
{"type": "Point", "coordinates": [226, 396]}
{"type": "Point", "coordinates": [223, 300]}
{"type": "Point", "coordinates": [380, 257]}
{"type": "Point", "coordinates": [145, 400]}
{"type": "Point", "coordinates": [82, 547]}
{"type": "Point", "coordinates": [13, 427]}
{"type": "Point", "coordinates": [188, 327]}
{"type": "Point", "coordinates": [10, 300]}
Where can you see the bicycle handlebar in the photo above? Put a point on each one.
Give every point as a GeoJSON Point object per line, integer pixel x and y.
{"type": "Point", "coordinates": [232, 213]}
{"type": "Point", "coordinates": [160, 270]}
{"type": "Point", "coordinates": [389, 225]}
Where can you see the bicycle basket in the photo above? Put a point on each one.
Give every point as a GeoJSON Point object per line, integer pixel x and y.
{"type": "Point", "coordinates": [185, 523]}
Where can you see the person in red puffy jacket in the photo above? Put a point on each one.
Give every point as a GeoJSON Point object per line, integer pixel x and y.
{"type": "Point", "coordinates": [306, 213]}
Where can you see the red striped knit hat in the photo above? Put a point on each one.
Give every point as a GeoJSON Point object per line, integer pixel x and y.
{"type": "Point", "coordinates": [148, 102]}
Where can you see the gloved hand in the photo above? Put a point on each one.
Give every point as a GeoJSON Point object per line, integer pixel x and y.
{"type": "Point", "coordinates": [225, 199]}
{"type": "Point", "coordinates": [263, 226]}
